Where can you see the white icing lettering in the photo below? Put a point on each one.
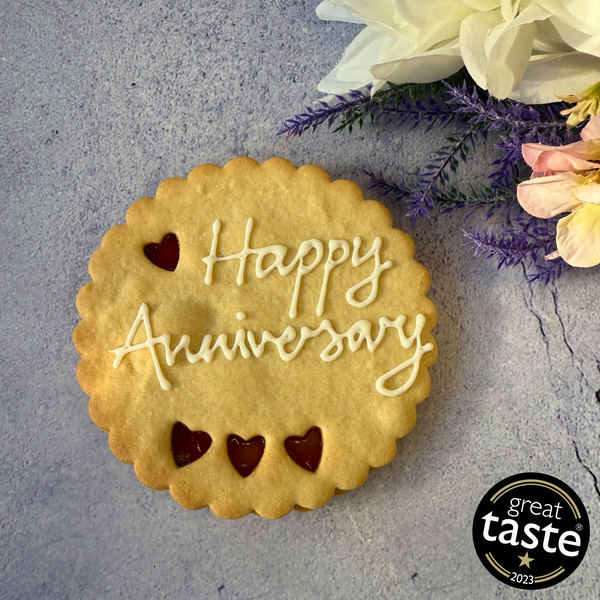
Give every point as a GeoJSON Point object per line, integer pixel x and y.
{"type": "Point", "coordinates": [373, 278]}
{"type": "Point", "coordinates": [247, 344]}
{"type": "Point", "coordinates": [278, 252]}
{"type": "Point", "coordinates": [330, 264]}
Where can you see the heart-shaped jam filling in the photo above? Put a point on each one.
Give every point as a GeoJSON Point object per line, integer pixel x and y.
{"type": "Point", "coordinates": [188, 446]}
{"type": "Point", "coordinates": [245, 454]}
{"type": "Point", "coordinates": [165, 254]}
{"type": "Point", "coordinates": [306, 451]}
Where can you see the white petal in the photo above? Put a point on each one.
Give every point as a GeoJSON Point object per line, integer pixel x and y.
{"type": "Point", "coordinates": [373, 12]}
{"type": "Point", "coordinates": [332, 10]}
{"type": "Point", "coordinates": [532, 14]}
{"type": "Point", "coordinates": [581, 15]}
{"type": "Point", "coordinates": [421, 68]}
{"type": "Point", "coordinates": [424, 14]}
{"type": "Point", "coordinates": [481, 5]}
{"type": "Point", "coordinates": [580, 41]}
{"type": "Point", "coordinates": [509, 59]}
{"type": "Point", "coordinates": [509, 10]}
{"type": "Point", "coordinates": [473, 33]}
{"type": "Point", "coordinates": [437, 21]}
{"type": "Point", "coordinates": [547, 40]}
{"type": "Point", "coordinates": [402, 47]}
{"type": "Point", "coordinates": [379, 13]}
{"type": "Point", "coordinates": [564, 74]}
{"type": "Point", "coordinates": [353, 71]}
{"type": "Point", "coordinates": [509, 56]}
{"type": "Point", "coordinates": [493, 36]}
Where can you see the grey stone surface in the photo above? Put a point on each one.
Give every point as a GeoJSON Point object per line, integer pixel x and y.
{"type": "Point", "coordinates": [100, 102]}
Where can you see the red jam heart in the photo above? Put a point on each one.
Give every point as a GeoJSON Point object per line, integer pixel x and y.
{"type": "Point", "coordinates": [245, 455]}
{"type": "Point", "coordinates": [166, 254]}
{"type": "Point", "coordinates": [188, 446]}
{"type": "Point", "coordinates": [306, 451]}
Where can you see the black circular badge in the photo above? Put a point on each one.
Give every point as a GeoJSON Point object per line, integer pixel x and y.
{"type": "Point", "coordinates": [531, 531]}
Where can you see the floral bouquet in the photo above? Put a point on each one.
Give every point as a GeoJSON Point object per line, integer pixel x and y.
{"type": "Point", "coordinates": [526, 72]}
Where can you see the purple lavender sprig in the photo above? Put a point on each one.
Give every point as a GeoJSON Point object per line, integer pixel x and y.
{"type": "Point", "coordinates": [528, 244]}
{"type": "Point", "coordinates": [513, 246]}
{"type": "Point", "coordinates": [520, 246]}
{"type": "Point", "coordinates": [449, 198]}
{"type": "Point", "coordinates": [458, 100]}
{"type": "Point", "coordinates": [355, 106]}
{"type": "Point", "coordinates": [324, 113]}
{"type": "Point", "coordinates": [428, 111]}
{"type": "Point", "coordinates": [511, 146]}
{"type": "Point", "coordinates": [480, 107]}
{"type": "Point", "coordinates": [422, 199]}
{"type": "Point", "coordinates": [550, 272]}
{"type": "Point", "coordinates": [480, 113]}
{"type": "Point", "coordinates": [386, 186]}
{"type": "Point", "coordinates": [519, 122]}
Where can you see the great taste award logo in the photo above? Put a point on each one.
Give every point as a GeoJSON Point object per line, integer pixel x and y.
{"type": "Point", "coordinates": [531, 531]}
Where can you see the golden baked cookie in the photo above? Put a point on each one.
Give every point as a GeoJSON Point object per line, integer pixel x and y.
{"type": "Point", "coordinates": [255, 338]}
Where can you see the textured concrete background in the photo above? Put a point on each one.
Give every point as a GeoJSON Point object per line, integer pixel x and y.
{"type": "Point", "coordinates": [101, 101]}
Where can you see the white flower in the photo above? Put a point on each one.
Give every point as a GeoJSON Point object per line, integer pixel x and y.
{"type": "Point", "coordinates": [521, 49]}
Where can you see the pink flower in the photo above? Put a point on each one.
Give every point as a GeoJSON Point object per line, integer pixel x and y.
{"type": "Point", "coordinates": [550, 160]}
{"type": "Point", "coordinates": [566, 179]}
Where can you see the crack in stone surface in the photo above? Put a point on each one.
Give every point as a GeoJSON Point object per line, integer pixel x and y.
{"type": "Point", "coordinates": [530, 306]}
{"type": "Point", "coordinates": [597, 392]}
{"type": "Point", "coordinates": [582, 379]}
{"type": "Point", "coordinates": [574, 359]}
{"type": "Point", "coordinates": [587, 468]}
{"type": "Point", "coordinates": [544, 324]}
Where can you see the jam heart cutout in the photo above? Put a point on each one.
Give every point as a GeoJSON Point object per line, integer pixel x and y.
{"type": "Point", "coordinates": [188, 446]}
{"type": "Point", "coordinates": [245, 454]}
{"type": "Point", "coordinates": [165, 254]}
{"type": "Point", "coordinates": [306, 451]}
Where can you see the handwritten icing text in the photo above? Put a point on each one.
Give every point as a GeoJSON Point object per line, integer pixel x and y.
{"type": "Point", "coordinates": [303, 265]}
{"type": "Point", "coordinates": [247, 344]}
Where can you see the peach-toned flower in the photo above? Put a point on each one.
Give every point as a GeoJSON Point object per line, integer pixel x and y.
{"type": "Point", "coordinates": [567, 179]}
{"type": "Point", "coordinates": [579, 156]}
